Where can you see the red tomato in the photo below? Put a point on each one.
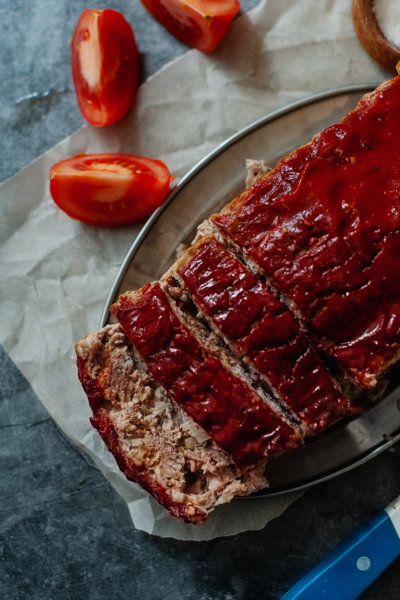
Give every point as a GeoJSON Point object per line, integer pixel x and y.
{"type": "Point", "coordinates": [109, 189]}
{"type": "Point", "coordinates": [199, 23]}
{"type": "Point", "coordinates": [105, 66]}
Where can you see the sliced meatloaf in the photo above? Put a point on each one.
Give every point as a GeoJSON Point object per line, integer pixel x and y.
{"type": "Point", "coordinates": [153, 440]}
{"type": "Point", "coordinates": [226, 361]}
{"type": "Point", "coordinates": [221, 402]}
{"type": "Point", "coordinates": [324, 229]}
{"type": "Point", "coordinates": [259, 327]}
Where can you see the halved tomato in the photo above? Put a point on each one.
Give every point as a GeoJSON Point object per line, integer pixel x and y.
{"type": "Point", "coordinates": [109, 189]}
{"type": "Point", "coordinates": [199, 23]}
{"type": "Point", "coordinates": [105, 66]}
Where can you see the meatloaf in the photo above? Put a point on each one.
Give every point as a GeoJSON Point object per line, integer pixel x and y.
{"type": "Point", "coordinates": [152, 439]}
{"type": "Point", "coordinates": [265, 331]}
{"type": "Point", "coordinates": [235, 415]}
{"type": "Point", "coordinates": [323, 228]}
{"type": "Point", "coordinates": [262, 330]}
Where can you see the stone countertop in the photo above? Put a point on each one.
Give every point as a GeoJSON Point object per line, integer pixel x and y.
{"type": "Point", "coordinates": [65, 533]}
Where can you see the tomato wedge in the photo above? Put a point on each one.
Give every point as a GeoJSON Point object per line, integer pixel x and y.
{"type": "Point", "coordinates": [199, 23]}
{"type": "Point", "coordinates": [109, 189]}
{"type": "Point", "coordinates": [105, 66]}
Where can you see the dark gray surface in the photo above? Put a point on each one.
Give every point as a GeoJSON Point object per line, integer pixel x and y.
{"type": "Point", "coordinates": [64, 533]}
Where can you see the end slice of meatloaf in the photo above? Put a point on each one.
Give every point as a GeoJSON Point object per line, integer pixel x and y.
{"type": "Point", "coordinates": [233, 414]}
{"type": "Point", "coordinates": [154, 442]}
{"type": "Point", "coordinates": [324, 228]}
{"type": "Point", "coordinates": [262, 331]}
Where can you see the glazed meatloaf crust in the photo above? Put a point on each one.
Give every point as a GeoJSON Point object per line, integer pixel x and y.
{"type": "Point", "coordinates": [268, 329]}
{"type": "Point", "coordinates": [260, 328]}
{"type": "Point", "coordinates": [324, 229]}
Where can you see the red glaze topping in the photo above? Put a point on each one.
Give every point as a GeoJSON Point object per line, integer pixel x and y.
{"type": "Point", "coordinates": [261, 327]}
{"type": "Point", "coordinates": [234, 416]}
{"type": "Point", "coordinates": [325, 228]}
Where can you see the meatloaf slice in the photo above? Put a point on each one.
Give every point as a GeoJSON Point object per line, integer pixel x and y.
{"type": "Point", "coordinates": [324, 228]}
{"type": "Point", "coordinates": [153, 440]}
{"type": "Point", "coordinates": [221, 402]}
{"type": "Point", "coordinates": [260, 328]}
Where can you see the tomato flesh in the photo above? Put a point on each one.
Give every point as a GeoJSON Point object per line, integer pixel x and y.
{"type": "Point", "coordinates": [105, 66]}
{"type": "Point", "coordinates": [109, 189]}
{"type": "Point", "coordinates": [201, 24]}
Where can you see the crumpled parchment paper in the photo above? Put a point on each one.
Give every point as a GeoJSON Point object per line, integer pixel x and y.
{"type": "Point", "coordinates": [55, 273]}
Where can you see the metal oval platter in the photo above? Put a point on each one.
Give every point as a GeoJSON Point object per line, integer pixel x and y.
{"type": "Point", "coordinates": [217, 179]}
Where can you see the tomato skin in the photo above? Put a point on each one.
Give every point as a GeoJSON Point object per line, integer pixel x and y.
{"type": "Point", "coordinates": [201, 24]}
{"type": "Point", "coordinates": [109, 189]}
{"type": "Point", "coordinates": [105, 66]}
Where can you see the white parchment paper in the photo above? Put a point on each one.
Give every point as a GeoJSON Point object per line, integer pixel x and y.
{"type": "Point", "coordinates": [55, 273]}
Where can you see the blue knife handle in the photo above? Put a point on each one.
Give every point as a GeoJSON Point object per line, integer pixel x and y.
{"type": "Point", "coordinates": [354, 564]}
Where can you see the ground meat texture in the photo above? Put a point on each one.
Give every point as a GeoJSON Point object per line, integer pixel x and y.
{"type": "Point", "coordinates": [152, 439]}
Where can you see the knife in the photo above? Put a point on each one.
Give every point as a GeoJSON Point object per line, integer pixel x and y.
{"type": "Point", "coordinates": [353, 565]}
